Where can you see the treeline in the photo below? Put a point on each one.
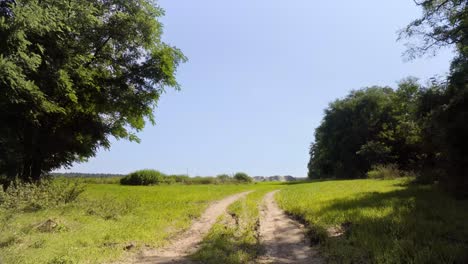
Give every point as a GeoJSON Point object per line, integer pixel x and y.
{"type": "Point", "coordinates": [85, 175]}
{"type": "Point", "coordinates": [154, 177]}
{"type": "Point", "coordinates": [417, 128]}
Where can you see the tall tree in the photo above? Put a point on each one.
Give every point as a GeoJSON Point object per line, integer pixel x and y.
{"type": "Point", "coordinates": [445, 107]}
{"type": "Point", "coordinates": [371, 126]}
{"type": "Point", "coordinates": [346, 140]}
{"type": "Point", "coordinates": [74, 73]}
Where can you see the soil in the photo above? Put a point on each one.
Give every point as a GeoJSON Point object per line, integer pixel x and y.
{"type": "Point", "coordinates": [283, 238]}
{"type": "Point", "coordinates": [188, 242]}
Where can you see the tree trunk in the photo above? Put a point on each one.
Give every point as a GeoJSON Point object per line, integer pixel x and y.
{"type": "Point", "coordinates": [36, 169]}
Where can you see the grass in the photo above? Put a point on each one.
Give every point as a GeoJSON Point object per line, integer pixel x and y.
{"type": "Point", "coordinates": [105, 219]}
{"type": "Point", "coordinates": [381, 221]}
{"type": "Point", "coordinates": [372, 221]}
{"type": "Point", "coordinates": [234, 238]}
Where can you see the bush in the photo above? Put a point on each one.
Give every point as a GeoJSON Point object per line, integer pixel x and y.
{"type": "Point", "coordinates": [388, 171]}
{"type": "Point", "coordinates": [203, 180]}
{"type": "Point", "coordinates": [224, 178]}
{"type": "Point", "coordinates": [242, 177]}
{"type": "Point", "coordinates": [143, 177]}
{"type": "Point", "coordinates": [23, 196]}
{"type": "Point", "coordinates": [151, 177]}
{"type": "Point", "coordinates": [179, 178]}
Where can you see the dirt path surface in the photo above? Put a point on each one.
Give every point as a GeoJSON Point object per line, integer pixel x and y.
{"type": "Point", "coordinates": [187, 242]}
{"type": "Point", "coordinates": [283, 238]}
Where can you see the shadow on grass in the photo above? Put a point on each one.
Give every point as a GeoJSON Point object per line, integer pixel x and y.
{"type": "Point", "coordinates": [418, 224]}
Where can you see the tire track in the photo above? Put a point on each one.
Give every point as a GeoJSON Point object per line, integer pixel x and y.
{"type": "Point", "coordinates": [187, 243]}
{"type": "Point", "coordinates": [283, 238]}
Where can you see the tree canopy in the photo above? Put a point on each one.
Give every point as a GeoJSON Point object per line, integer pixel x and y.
{"type": "Point", "coordinates": [74, 73]}
{"type": "Point", "coordinates": [418, 128]}
{"type": "Point", "coordinates": [445, 105]}
{"type": "Point", "coordinates": [370, 126]}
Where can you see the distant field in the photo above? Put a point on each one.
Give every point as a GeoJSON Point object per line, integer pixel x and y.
{"type": "Point", "coordinates": [381, 221]}
{"type": "Point", "coordinates": [107, 218]}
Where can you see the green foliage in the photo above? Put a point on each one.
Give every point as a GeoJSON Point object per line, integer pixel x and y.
{"type": "Point", "coordinates": [143, 177]}
{"type": "Point", "coordinates": [74, 73]}
{"type": "Point", "coordinates": [371, 126]}
{"type": "Point", "coordinates": [179, 178]}
{"type": "Point", "coordinates": [443, 23]}
{"type": "Point", "coordinates": [444, 105]}
{"type": "Point", "coordinates": [20, 196]}
{"type": "Point", "coordinates": [381, 221]}
{"type": "Point", "coordinates": [387, 172]}
{"type": "Point", "coordinates": [242, 177]}
{"type": "Point", "coordinates": [223, 178]}
{"type": "Point", "coordinates": [202, 180]}
{"type": "Point", "coordinates": [151, 177]}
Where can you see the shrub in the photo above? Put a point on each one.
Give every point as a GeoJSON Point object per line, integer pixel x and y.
{"type": "Point", "coordinates": [242, 177]}
{"type": "Point", "coordinates": [35, 196]}
{"type": "Point", "coordinates": [224, 178]}
{"type": "Point", "coordinates": [180, 178]}
{"type": "Point", "coordinates": [143, 177]}
{"type": "Point", "coordinates": [387, 171]}
{"type": "Point", "coordinates": [203, 180]}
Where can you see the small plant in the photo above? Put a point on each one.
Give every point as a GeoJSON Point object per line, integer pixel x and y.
{"type": "Point", "coordinates": [242, 177]}
{"type": "Point", "coordinates": [143, 177]}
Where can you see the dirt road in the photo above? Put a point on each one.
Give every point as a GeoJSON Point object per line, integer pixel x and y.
{"type": "Point", "coordinates": [187, 243]}
{"type": "Point", "coordinates": [283, 238]}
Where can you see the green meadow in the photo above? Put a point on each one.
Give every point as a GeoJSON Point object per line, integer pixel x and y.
{"type": "Point", "coordinates": [381, 221]}
{"type": "Point", "coordinates": [350, 221]}
{"type": "Point", "coordinates": [106, 219]}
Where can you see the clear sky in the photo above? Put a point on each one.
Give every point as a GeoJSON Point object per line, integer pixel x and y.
{"type": "Point", "coordinates": [259, 75]}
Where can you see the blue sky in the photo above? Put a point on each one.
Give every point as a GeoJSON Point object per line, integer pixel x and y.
{"type": "Point", "coordinates": [259, 75]}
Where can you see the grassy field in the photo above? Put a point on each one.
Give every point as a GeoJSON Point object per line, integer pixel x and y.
{"type": "Point", "coordinates": [234, 238]}
{"type": "Point", "coordinates": [381, 221]}
{"type": "Point", "coordinates": [354, 221]}
{"type": "Point", "coordinates": [107, 218]}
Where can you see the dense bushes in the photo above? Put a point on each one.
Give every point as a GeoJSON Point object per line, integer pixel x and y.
{"type": "Point", "coordinates": [22, 196]}
{"type": "Point", "coordinates": [143, 177]}
{"type": "Point", "coordinates": [388, 171]}
{"type": "Point", "coordinates": [242, 177]}
{"type": "Point", "coordinates": [371, 126]}
{"type": "Point", "coordinates": [153, 177]}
